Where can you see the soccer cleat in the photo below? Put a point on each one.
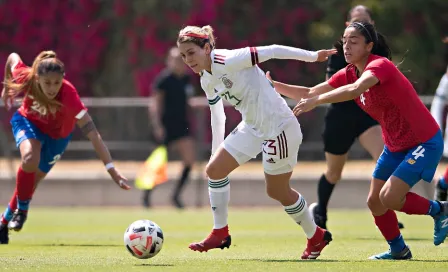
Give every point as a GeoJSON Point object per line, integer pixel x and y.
{"type": "Point", "coordinates": [441, 224]}
{"type": "Point", "coordinates": [405, 254]}
{"type": "Point", "coordinates": [212, 241]}
{"type": "Point", "coordinates": [17, 221]}
{"type": "Point", "coordinates": [440, 193]}
{"type": "Point", "coordinates": [316, 244]}
{"type": "Point", "coordinates": [4, 235]}
{"type": "Point", "coordinates": [319, 219]}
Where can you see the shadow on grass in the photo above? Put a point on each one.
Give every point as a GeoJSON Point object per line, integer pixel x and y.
{"type": "Point", "coordinates": [148, 264]}
{"type": "Point", "coordinates": [291, 260]}
{"type": "Point", "coordinates": [382, 239]}
{"type": "Point", "coordinates": [77, 245]}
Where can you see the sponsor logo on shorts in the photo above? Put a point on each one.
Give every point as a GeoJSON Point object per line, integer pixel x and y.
{"type": "Point", "coordinates": [270, 160]}
{"type": "Point", "coordinates": [411, 161]}
{"type": "Point", "coordinates": [21, 134]}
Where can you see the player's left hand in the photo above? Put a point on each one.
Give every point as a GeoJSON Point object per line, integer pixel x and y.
{"type": "Point", "coordinates": [305, 105]}
{"type": "Point", "coordinates": [119, 179]}
{"type": "Point", "coordinates": [322, 55]}
{"type": "Point", "coordinates": [445, 40]}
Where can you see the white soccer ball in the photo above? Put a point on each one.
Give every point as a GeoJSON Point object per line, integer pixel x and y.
{"type": "Point", "coordinates": [143, 239]}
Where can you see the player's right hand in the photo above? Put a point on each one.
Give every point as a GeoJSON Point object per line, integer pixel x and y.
{"type": "Point", "coordinates": [6, 99]}
{"type": "Point", "coordinates": [445, 40]}
{"type": "Point", "coordinates": [322, 55]}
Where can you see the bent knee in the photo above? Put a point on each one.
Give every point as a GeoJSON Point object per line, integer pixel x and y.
{"type": "Point", "coordinates": [389, 200]}
{"type": "Point", "coordinates": [213, 171]}
{"type": "Point", "coordinates": [333, 176]}
{"type": "Point", "coordinates": [30, 161]}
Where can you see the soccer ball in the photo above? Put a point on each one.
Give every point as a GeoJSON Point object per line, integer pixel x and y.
{"type": "Point", "coordinates": [143, 239]}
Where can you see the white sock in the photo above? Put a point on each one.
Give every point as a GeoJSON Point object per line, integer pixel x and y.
{"type": "Point", "coordinates": [301, 215]}
{"type": "Point", "coordinates": [219, 193]}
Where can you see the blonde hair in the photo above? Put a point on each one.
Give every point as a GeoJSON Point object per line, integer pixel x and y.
{"type": "Point", "coordinates": [44, 63]}
{"type": "Point", "coordinates": [197, 35]}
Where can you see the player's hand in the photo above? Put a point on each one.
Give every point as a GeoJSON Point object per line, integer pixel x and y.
{"type": "Point", "coordinates": [445, 40]}
{"type": "Point", "coordinates": [305, 105]}
{"type": "Point", "coordinates": [7, 100]}
{"type": "Point", "coordinates": [322, 55]}
{"type": "Point", "coordinates": [119, 179]}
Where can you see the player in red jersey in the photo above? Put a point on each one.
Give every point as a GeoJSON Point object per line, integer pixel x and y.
{"type": "Point", "coordinates": [43, 127]}
{"type": "Point", "coordinates": [413, 140]}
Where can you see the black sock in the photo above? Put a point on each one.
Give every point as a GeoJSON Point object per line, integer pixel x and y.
{"type": "Point", "coordinates": [182, 181]}
{"type": "Point", "coordinates": [147, 198]}
{"type": "Point", "coordinates": [324, 191]}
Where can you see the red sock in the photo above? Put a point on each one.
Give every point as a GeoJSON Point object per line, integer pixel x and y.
{"type": "Point", "coordinates": [415, 204]}
{"type": "Point", "coordinates": [223, 232]}
{"type": "Point", "coordinates": [388, 225]}
{"type": "Point", "coordinates": [25, 184]}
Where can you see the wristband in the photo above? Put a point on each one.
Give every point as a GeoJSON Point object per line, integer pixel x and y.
{"type": "Point", "coordinates": [109, 166]}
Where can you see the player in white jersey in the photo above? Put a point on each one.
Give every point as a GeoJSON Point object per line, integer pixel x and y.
{"type": "Point", "coordinates": [437, 110]}
{"type": "Point", "coordinates": [268, 126]}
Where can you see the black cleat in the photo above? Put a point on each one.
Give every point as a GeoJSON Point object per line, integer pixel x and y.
{"type": "Point", "coordinates": [319, 219]}
{"type": "Point", "coordinates": [17, 221]}
{"type": "Point", "coordinates": [4, 234]}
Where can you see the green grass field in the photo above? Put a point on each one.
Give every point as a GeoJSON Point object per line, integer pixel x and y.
{"type": "Point", "coordinates": [263, 240]}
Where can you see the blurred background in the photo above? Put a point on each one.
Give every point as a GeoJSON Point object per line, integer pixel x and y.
{"type": "Point", "coordinates": [114, 49]}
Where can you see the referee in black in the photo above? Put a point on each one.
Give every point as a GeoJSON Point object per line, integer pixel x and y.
{"type": "Point", "coordinates": [169, 115]}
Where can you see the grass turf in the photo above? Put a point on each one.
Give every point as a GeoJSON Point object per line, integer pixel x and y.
{"type": "Point", "coordinates": [81, 239]}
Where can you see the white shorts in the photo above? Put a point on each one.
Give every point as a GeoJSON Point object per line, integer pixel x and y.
{"type": "Point", "coordinates": [279, 153]}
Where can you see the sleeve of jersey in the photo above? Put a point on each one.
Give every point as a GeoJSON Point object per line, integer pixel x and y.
{"type": "Point", "coordinates": [339, 79]}
{"type": "Point", "coordinates": [218, 120]}
{"type": "Point", "coordinates": [74, 104]}
{"type": "Point", "coordinates": [16, 71]}
{"type": "Point", "coordinates": [382, 69]}
{"type": "Point", "coordinates": [439, 102]}
{"type": "Point", "coordinates": [247, 57]}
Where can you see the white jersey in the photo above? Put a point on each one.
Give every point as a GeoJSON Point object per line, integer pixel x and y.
{"type": "Point", "coordinates": [438, 108]}
{"type": "Point", "coordinates": [236, 77]}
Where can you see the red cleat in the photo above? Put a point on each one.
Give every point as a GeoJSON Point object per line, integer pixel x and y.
{"type": "Point", "coordinates": [316, 244]}
{"type": "Point", "coordinates": [219, 238]}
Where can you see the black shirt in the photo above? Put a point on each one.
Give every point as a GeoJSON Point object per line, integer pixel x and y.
{"type": "Point", "coordinates": [176, 90]}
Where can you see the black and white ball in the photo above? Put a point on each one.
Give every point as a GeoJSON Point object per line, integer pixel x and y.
{"type": "Point", "coordinates": [143, 239]}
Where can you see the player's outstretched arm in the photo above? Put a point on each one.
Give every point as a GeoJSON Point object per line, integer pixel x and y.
{"type": "Point", "coordinates": [11, 62]}
{"type": "Point", "coordinates": [89, 130]}
{"type": "Point", "coordinates": [344, 93]}
{"type": "Point", "coordinates": [276, 51]}
{"type": "Point", "coordinates": [291, 91]}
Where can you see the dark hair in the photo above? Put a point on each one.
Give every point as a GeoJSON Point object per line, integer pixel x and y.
{"type": "Point", "coordinates": [366, 9]}
{"type": "Point", "coordinates": [380, 46]}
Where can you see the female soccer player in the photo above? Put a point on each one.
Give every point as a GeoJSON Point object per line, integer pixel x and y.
{"type": "Point", "coordinates": [42, 128]}
{"type": "Point", "coordinates": [413, 141]}
{"type": "Point", "coordinates": [268, 125]}
{"type": "Point", "coordinates": [437, 110]}
{"type": "Point", "coordinates": [172, 89]}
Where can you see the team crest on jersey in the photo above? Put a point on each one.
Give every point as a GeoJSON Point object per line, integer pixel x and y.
{"type": "Point", "coordinates": [227, 82]}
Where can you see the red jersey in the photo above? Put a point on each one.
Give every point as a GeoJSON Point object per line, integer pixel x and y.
{"type": "Point", "coordinates": [60, 124]}
{"type": "Point", "coordinates": [393, 102]}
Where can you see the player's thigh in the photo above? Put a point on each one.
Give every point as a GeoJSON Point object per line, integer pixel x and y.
{"type": "Point", "coordinates": [51, 152]}
{"type": "Point", "coordinates": [372, 141]}
{"type": "Point", "coordinates": [339, 131]}
{"type": "Point", "coordinates": [28, 139]}
{"type": "Point", "coordinates": [420, 162]}
{"type": "Point", "coordinates": [280, 153]}
{"type": "Point", "coordinates": [239, 147]}
{"type": "Point", "coordinates": [387, 163]}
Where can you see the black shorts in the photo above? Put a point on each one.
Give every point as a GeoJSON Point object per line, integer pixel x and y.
{"type": "Point", "coordinates": [175, 131]}
{"type": "Point", "coordinates": [344, 122]}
